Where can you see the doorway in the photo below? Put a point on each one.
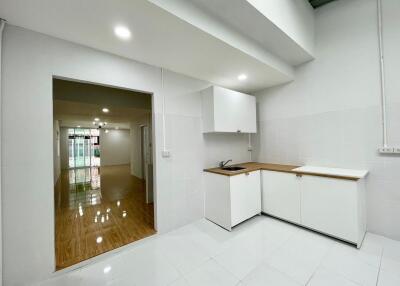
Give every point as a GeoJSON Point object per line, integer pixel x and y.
{"type": "Point", "coordinates": [102, 198]}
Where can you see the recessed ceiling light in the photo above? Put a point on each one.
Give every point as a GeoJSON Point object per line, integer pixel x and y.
{"type": "Point", "coordinates": [94, 123]}
{"type": "Point", "coordinates": [96, 119]}
{"type": "Point", "coordinates": [105, 110]}
{"type": "Point", "coordinates": [242, 77]}
{"type": "Point", "coordinates": [106, 131]}
{"type": "Point", "coordinates": [122, 32]}
{"type": "Point", "coordinates": [78, 126]}
{"type": "Point", "coordinates": [99, 239]}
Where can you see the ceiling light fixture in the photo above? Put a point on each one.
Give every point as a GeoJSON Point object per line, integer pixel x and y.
{"type": "Point", "coordinates": [242, 77]}
{"type": "Point", "coordinates": [94, 123]}
{"type": "Point", "coordinates": [122, 32]}
{"type": "Point", "coordinates": [96, 119]}
{"type": "Point", "coordinates": [105, 110]}
{"type": "Point", "coordinates": [78, 126]}
{"type": "Point", "coordinates": [106, 131]}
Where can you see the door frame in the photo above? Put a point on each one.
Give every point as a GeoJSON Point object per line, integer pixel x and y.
{"type": "Point", "coordinates": [154, 160]}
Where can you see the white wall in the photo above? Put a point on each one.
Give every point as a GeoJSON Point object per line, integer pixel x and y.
{"type": "Point", "coordinates": [56, 151]}
{"type": "Point", "coordinates": [2, 24]}
{"type": "Point", "coordinates": [115, 147]}
{"type": "Point", "coordinates": [28, 203]}
{"type": "Point", "coordinates": [330, 114]}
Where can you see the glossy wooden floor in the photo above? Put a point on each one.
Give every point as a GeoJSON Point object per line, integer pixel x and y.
{"type": "Point", "coordinates": [97, 210]}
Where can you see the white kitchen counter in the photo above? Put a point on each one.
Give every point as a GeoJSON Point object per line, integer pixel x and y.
{"type": "Point", "coordinates": [351, 173]}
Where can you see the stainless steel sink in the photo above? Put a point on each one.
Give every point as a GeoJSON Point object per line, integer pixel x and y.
{"type": "Point", "coordinates": [233, 168]}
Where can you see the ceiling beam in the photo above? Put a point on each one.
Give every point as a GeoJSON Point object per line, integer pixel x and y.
{"type": "Point", "coordinates": [319, 3]}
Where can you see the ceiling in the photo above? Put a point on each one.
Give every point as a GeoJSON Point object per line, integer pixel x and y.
{"type": "Point", "coordinates": [247, 20]}
{"type": "Point", "coordinates": [78, 104]}
{"type": "Point", "coordinates": [73, 114]}
{"type": "Point", "coordinates": [318, 3]}
{"type": "Point", "coordinates": [158, 38]}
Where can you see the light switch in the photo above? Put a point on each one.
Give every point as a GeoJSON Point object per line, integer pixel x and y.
{"type": "Point", "coordinates": [165, 154]}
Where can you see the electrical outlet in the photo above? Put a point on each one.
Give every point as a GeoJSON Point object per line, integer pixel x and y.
{"type": "Point", "coordinates": [386, 150]}
{"type": "Point", "coordinates": [165, 154]}
{"type": "Point", "coordinates": [396, 150]}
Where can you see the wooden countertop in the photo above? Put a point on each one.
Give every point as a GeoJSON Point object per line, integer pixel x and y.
{"type": "Point", "coordinates": [305, 170]}
{"type": "Point", "coordinates": [253, 166]}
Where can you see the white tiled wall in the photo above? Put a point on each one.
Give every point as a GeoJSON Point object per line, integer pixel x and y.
{"type": "Point", "coordinates": [330, 115]}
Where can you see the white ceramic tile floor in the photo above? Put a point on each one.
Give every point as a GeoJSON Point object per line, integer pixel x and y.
{"type": "Point", "coordinates": [262, 251]}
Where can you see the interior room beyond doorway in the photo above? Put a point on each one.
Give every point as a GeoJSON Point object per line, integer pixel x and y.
{"type": "Point", "coordinates": [102, 169]}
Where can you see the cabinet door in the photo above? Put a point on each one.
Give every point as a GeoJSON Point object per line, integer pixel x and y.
{"type": "Point", "coordinates": [248, 120]}
{"type": "Point", "coordinates": [330, 206]}
{"type": "Point", "coordinates": [227, 109]}
{"type": "Point", "coordinates": [281, 195]}
{"type": "Point", "coordinates": [217, 206]}
{"type": "Point", "coordinates": [245, 194]}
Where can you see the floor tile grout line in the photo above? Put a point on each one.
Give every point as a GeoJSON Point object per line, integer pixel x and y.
{"type": "Point", "coordinates": [380, 266]}
{"type": "Point", "coordinates": [319, 266]}
{"type": "Point", "coordinates": [284, 274]}
{"type": "Point", "coordinates": [237, 278]}
{"type": "Point", "coordinates": [345, 277]}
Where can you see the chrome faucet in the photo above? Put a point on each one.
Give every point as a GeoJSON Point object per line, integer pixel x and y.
{"type": "Point", "coordinates": [223, 164]}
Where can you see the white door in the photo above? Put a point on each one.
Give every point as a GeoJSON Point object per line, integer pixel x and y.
{"type": "Point", "coordinates": [330, 206]}
{"type": "Point", "coordinates": [281, 195]}
{"type": "Point", "coordinates": [245, 193]}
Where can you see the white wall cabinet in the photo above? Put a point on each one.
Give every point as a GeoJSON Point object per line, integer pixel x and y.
{"type": "Point", "coordinates": [333, 206]}
{"type": "Point", "coordinates": [281, 195]}
{"type": "Point", "coordinates": [231, 200]}
{"type": "Point", "coordinates": [226, 110]}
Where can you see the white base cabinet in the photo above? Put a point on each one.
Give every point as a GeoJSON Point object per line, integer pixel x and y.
{"type": "Point", "coordinates": [230, 200]}
{"type": "Point", "coordinates": [334, 206]}
{"type": "Point", "coordinates": [281, 195]}
{"type": "Point", "coordinates": [329, 205]}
